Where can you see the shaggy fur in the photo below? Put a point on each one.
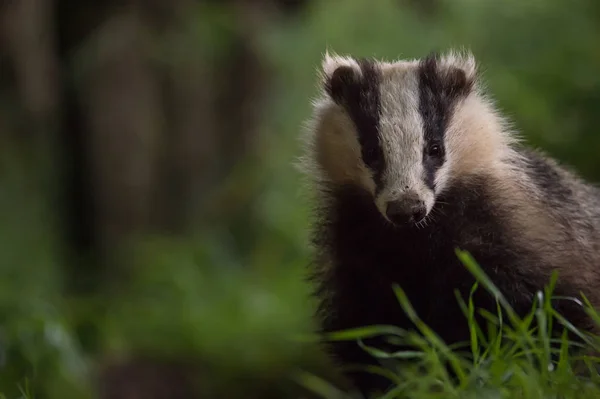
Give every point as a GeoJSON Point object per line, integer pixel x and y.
{"type": "Point", "coordinates": [384, 130]}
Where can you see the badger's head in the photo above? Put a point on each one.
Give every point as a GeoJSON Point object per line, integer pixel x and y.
{"type": "Point", "coordinates": [400, 130]}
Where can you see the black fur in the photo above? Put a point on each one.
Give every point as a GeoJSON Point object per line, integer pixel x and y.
{"type": "Point", "coordinates": [549, 180]}
{"type": "Point", "coordinates": [369, 254]}
{"type": "Point", "coordinates": [439, 91]}
{"type": "Point", "coordinates": [360, 96]}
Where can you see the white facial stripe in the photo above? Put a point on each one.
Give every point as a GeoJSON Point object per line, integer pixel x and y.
{"type": "Point", "coordinates": [402, 140]}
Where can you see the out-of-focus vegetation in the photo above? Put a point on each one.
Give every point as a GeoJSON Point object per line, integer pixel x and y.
{"type": "Point", "coordinates": [153, 233]}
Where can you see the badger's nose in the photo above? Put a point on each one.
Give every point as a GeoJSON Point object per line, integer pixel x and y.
{"type": "Point", "coordinates": [406, 210]}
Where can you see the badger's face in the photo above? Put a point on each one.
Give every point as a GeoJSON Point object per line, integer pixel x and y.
{"type": "Point", "coordinates": [384, 127]}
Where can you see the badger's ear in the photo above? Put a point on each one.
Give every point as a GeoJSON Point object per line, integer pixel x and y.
{"type": "Point", "coordinates": [338, 76]}
{"type": "Point", "coordinates": [460, 71]}
{"type": "Point", "coordinates": [463, 60]}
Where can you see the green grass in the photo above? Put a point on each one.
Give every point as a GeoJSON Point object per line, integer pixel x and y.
{"type": "Point", "coordinates": [512, 360]}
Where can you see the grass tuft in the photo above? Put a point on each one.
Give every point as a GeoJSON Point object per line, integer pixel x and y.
{"type": "Point", "coordinates": [516, 357]}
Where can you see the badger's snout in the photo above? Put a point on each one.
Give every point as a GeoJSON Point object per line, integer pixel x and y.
{"type": "Point", "coordinates": [407, 209]}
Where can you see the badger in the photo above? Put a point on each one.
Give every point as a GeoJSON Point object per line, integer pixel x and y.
{"type": "Point", "coordinates": [409, 160]}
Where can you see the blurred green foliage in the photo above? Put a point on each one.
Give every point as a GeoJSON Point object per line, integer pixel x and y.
{"type": "Point", "coordinates": [234, 294]}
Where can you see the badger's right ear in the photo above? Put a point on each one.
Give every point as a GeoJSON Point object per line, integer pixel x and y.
{"type": "Point", "coordinates": [338, 76]}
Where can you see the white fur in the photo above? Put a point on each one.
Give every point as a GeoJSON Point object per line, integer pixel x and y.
{"type": "Point", "coordinates": [401, 135]}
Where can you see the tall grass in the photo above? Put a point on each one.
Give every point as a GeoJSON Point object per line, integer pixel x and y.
{"type": "Point", "coordinates": [514, 357]}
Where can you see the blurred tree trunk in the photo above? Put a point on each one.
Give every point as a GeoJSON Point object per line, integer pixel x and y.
{"type": "Point", "coordinates": [121, 103]}
{"type": "Point", "coordinates": [28, 41]}
{"type": "Point", "coordinates": [29, 77]}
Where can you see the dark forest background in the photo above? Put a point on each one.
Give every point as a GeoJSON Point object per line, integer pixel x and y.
{"type": "Point", "coordinates": [153, 232]}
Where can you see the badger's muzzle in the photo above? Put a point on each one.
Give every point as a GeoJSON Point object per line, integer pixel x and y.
{"type": "Point", "coordinates": [407, 209]}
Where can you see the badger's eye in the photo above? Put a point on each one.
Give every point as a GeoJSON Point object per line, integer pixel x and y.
{"type": "Point", "coordinates": [434, 150]}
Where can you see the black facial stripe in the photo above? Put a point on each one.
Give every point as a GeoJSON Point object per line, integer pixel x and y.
{"type": "Point", "coordinates": [439, 91]}
{"type": "Point", "coordinates": [430, 169]}
{"type": "Point", "coordinates": [360, 96]}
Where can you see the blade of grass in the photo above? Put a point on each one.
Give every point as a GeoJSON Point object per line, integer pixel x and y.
{"type": "Point", "coordinates": [480, 276]}
{"type": "Point", "coordinates": [381, 354]}
{"type": "Point", "coordinates": [318, 385]}
{"type": "Point", "coordinates": [429, 334]}
{"type": "Point", "coordinates": [364, 332]}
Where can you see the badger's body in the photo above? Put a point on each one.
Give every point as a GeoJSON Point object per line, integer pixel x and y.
{"type": "Point", "coordinates": [410, 161]}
